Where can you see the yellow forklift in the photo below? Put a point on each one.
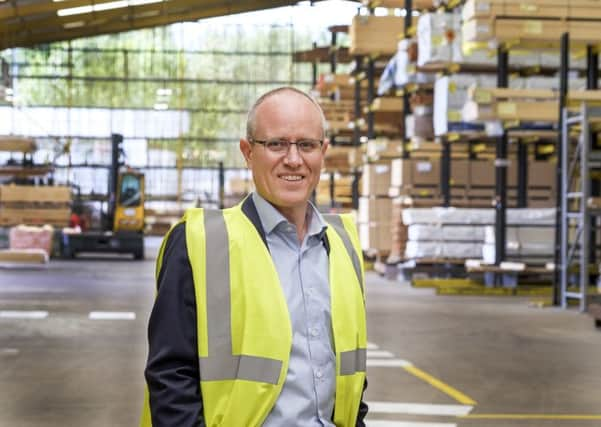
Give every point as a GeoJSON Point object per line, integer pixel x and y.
{"type": "Point", "coordinates": [123, 222]}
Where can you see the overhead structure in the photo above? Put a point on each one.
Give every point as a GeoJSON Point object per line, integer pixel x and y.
{"type": "Point", "coordinates": [26, 23]}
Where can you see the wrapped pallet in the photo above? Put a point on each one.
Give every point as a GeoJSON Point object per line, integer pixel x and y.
{"type": "Point", "coordinates": [29, 237]}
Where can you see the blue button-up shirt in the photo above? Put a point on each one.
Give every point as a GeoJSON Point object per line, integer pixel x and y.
{"type": "Point", "coordinates": [307, 398]}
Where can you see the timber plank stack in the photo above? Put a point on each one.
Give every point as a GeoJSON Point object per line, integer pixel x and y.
{"type": "Point", "coordinates": [34, 205]}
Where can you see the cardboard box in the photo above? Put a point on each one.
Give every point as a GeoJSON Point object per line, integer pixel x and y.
{"type": "Point", "coordinates": [375, 34]}
{"type": "Point", "coordinates": [542, 174]}
{"type": "Point", "coordinates": [481, 173]}
{"type": "Point", "coordinates": [460, 172]}
{"type": "Point", "coordinates": [415, 172]}
{"type": "Point", "coordinates": [374, 209]}
{"type": "Point", "coordinates": [376, 236]}
{"type": "Point", "coordinates": [375, 180]}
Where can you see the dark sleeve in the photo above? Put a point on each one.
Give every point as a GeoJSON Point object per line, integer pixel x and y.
{"type": "Point", "coordinates": [172, 372]}
{"type": "Point", "coordinates": [362, 408]}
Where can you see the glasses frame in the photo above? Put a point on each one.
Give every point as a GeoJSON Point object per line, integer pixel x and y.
{"type": "Point", "coordinates": [264, 144]}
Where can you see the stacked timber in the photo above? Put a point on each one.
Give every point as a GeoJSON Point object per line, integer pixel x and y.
{"type": "Point", "coordinates": [35, 205]}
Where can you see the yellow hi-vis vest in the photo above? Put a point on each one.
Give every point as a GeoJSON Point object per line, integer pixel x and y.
{"type": "Point", "coordinates": [244, 329]}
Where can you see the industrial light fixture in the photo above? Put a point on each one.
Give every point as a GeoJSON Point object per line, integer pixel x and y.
{"type": "Point", "coordinates": [71, 25]}
{"type": "Point", "coordinates": [161, 106]}
{"type": "Point", "coordinates": [98, 7]}
{"type": "Point", "coordinates": [164, 92]}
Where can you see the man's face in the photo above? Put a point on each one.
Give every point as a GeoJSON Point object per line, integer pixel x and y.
{"type": "Point", "coordinates": [285, 179]}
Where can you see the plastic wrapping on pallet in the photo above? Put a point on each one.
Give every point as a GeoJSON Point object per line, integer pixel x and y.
{"type": "Point", "coordinates": [528, 252]}
{"type": "Point", "coordinates": [525, 216]}
{"type": "Point", "coordinates": [25, 237]}
{"type": "Point", "coordinates": [440, 215]}
{"type": "Point", "coordinates": [442, 250]}
{"type": "Point", "coordinates": [461, 233]}
{"type": "Point", "coordinates": [538, 235]}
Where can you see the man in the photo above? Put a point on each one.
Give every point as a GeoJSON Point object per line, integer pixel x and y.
{"type": "Point", "coordinates": [259, 317]}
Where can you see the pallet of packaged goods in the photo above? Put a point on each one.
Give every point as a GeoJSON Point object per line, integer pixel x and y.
{"type": "Point", "coordinates": [33, 205]}
{"type": "Point", "coordinates": [376, 35]}
{"type": "Point", "coordinates": [17, 144]}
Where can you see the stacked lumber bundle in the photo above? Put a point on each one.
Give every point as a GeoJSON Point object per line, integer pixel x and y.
{"type": "Point", "coordinates": [533, 21]}
{"type": "Point", "coordinates": [17, 144]}
{"type": "Point", "coordinates": [159, 221]}
{"type": "Point", "coordinates": [343, 191]}
{"type": "Point", "coordinates": [527, 105]}
{"type": "Point", "coordinates": [34, 205]}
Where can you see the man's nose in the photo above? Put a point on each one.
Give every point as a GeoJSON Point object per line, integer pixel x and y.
{"type": "Point", "coordinates": [293, 156]}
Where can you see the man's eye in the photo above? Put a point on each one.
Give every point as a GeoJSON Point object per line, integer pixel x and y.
{"type": "Point", "coordinates": [306, 145]}
{"type": "Point", "coordinates": [275, 145]}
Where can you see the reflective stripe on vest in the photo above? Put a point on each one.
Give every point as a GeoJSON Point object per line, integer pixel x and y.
{"type": "Point", "coordinates": [221, 364]}
{"type": "Point", "coordinates": [336, 222]}
{"type": "Point", "coordinates": [353, 361]}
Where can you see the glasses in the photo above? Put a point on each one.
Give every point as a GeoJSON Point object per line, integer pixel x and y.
{"type": "Point", "coordinates": [280, 146]}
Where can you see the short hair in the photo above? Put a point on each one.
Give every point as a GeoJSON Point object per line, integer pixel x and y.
{"type": "Point", "coordinates": [252, 113]}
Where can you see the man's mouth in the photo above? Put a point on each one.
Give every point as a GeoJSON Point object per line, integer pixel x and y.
{"type": "Point", "coordinates": [292, 178]}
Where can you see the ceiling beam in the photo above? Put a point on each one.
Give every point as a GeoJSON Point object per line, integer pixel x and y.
{"type": "Point", "coordinates": [47, 30]}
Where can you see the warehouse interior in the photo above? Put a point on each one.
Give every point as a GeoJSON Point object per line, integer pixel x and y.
{"type": "Point", "coordinates": [464, 139]}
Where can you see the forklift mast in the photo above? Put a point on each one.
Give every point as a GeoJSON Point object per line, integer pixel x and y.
{"type": "Point", "coordinates": [116, 162]}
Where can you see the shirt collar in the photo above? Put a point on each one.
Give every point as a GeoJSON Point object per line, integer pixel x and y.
{"type": "Point", "coordinates": [270, 217]}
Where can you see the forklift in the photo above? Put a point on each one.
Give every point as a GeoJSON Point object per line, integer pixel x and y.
{"type": "Point", "coordinates": [123, 223]}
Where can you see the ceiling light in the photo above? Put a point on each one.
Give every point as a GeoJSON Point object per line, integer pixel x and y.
{"type": "Point", "coordinates": [164, 92]}
{"type": "Point", "coordinates": [161, 106]}
{"type": "Point", "coordinates": [71, 25]}
{"type": "Point", "coordinates": [103, 6]}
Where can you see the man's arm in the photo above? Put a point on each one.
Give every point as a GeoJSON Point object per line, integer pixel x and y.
{"type": "Point", "coordinates": [362, 408]}
{"type": "Point", "coordinates": [172, 371]}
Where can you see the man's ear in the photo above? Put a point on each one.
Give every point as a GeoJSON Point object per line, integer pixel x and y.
{"type": "Point", "coordinates": [246, 150]}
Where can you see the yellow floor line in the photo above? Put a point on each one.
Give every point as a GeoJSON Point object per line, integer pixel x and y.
{"type": "Point", "coordinates": [532, 416]}
{"type": "Point", "coordinates": [447, 389]}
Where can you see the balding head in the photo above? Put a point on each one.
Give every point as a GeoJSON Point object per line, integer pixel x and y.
{"type": "Point", "coordinates": [251, 123]}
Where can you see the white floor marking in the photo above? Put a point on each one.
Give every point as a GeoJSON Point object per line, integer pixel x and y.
{"type": "Point", "coordinates": [419, 409]}
{"type": "Point", "coordinates": [388, 363]}
{"type": "Point", "coordinates": [372, 346]}
{"type": "Point", "coordinates": [379, 353]}
{"type": "Point", "coordinates": [386, 423]}
{"type": "Point", "coordinates": [9, 351]}
{"type": "Point", "coordinates": [112, 315]}
{"type": "Point", "coordinates": [23, 314]}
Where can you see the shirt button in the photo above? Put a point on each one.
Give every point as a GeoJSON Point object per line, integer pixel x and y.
{"type": "Point", "coordinates": [319, 374]}
{"type": "Point", "coordinates": [314, 332]}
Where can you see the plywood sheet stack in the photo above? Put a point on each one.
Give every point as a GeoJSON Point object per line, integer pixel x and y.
{"type": "Point", "coordinates": [34, 205]}
{"type": "Point", "coordinates": [469, 233]}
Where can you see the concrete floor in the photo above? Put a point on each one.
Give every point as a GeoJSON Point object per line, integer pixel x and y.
{"type": "Point", "coordinates": [450, 361]}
